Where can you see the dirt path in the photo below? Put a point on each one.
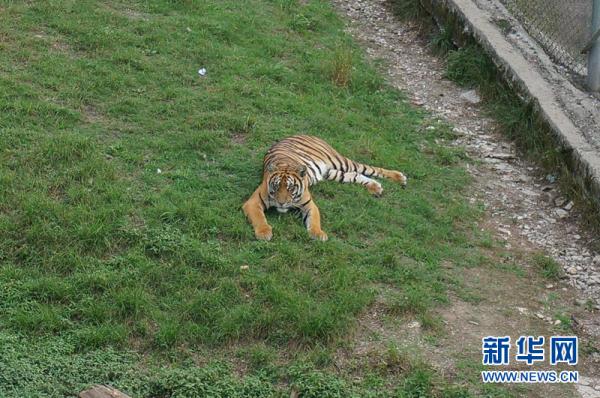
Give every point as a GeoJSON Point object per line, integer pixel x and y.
{"type": "Point", "coordinates": [524, 210]}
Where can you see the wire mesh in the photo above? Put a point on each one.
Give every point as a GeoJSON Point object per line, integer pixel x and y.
{"type": "Point", "coordinates": [561, 27]}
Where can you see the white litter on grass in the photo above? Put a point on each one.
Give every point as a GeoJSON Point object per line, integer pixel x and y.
{"type": "Point", "coordinates": [158, 171]}
{"type": "Point", "coordinates": [202, 71]}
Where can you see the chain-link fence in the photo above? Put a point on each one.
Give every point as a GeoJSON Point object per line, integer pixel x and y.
{"type": "Point", "coordinates": [561, 27]}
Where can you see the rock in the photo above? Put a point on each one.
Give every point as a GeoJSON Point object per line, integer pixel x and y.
{"type": "Point", "coordinates": [596, 259]}
{"type": "Point", "coordinates": [500, 155]}
{"type": "Point", "coordinates": [541, 316]}
{"type": "Point", "coordinates": [572, 270]}
{"type": "Point", "coordinates": [585, 381]}
{"type": "Point", "coordinates": [560, 213]}
{"type": "Point", "coordinates": [100, 391]}
{"type": "Point", "coordinates": [549, 286]}
{"type": "Point", "coordinates": [569, 206]}
{"type": "Point", "coordinates": [414, 325]}
{"type": "Point", "coordinates": [471, 97]}
{"type": "Point", "coordinates": [505, 231]}
{"type": "Point", "coordinates": [244, 267]}
{"type": "Point", "coordinates": [580, 302]}
{"type": "Point", "coordinates": [557, 322]}
{"type": "Point", "coordinates": [560, 201]}
{"type": "Point", "coordinates": [547, 188]}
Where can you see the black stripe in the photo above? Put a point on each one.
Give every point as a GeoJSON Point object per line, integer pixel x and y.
{"type": "Point", "coordinates": [346, 161]}
{"type": "Point", "coordinates": [331, 161]}
{"type": "Point", "coordinates": [354, 178]}
{"type": "Point", "coordinates": [305, 203]}
{"type": "Point", "coordinates": [304, 218]}
{"type": "Point", "coordinates": [341, 163]}
{"type": "Point", "coordinates": [262, 200]}
{"type": "Point", "coordinates": [320, 171]}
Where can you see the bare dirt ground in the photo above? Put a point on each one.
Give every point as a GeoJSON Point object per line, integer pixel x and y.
{"type": "Point", "coordinates": [524, 210]}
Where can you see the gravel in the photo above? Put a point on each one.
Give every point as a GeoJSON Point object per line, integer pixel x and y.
{"type": "Point", "coordinates": [524, 210]}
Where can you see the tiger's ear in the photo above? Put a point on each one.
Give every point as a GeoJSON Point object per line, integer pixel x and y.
{"type": "Point", "coordinates": [270, 167]}
{"type": "Point", "coordinates": [301, 170]}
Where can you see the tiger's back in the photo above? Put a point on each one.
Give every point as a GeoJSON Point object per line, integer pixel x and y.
{"type": "Point", "coordinates": [322, 161]}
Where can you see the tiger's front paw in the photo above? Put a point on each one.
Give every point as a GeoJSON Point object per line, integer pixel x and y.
{"type": "Point", "coordinates": [319, 235]}
{"type": "Point", "coordinates": [375, 188]}
{"type": "Point", "coordinates": [264, 232]}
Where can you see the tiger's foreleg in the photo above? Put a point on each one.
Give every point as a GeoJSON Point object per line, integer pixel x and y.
{"type": "Point", "coordinates": [312, 220]}
{"type": "Point", "coordinates": [354, 177]}
{"type": "Point", "coordinates": [254, 209]}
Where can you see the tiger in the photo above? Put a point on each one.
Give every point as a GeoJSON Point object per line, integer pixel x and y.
{"type": "Point", "coordinates": [294, 164]}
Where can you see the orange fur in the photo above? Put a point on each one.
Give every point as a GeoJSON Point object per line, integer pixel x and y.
{"type": "Point", "coordinates": [290, 167]}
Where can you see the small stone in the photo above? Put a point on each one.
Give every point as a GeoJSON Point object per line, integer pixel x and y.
{"type": "Point", "coordinates": [584, 380]}
{"type": "Point", "coordinates": [580, 302]}
{"type": "Point", "coordinates": [158, 171]}
{"type": "Point", "coordinates": [568, 206]}
{"type": "Point", "coordinates": [471, 97]}
{"type": "Point", "coordinates": [560, 213]}
{"type": "Point", "coordinates": [596, 259]}
{"type": "Point", "coordinates": [572, 270]}
{"type": "Point", "coordinates": [505, 231]}
{"type": "Point", "coordinates": [501, 156]}
{"type": "Point", "coordinates": [549, 286]}
{"type": "Point", "coordinates": [541, 316]}
{"type": "Point", "coordinates": [559, 201]}
{"type": "Point", "coordinates": [244, 267]}
{"type": "Point", "coordinates": [557, 322]}
{"type": "Point", "coordinates": [547, 188]}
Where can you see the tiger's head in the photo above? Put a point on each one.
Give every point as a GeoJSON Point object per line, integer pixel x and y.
{"type": "Point", "coordinates": [286, 185]}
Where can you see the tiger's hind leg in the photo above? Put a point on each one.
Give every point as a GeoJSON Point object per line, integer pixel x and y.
{"type": "Point", "coordinates": [392, 175]}
{"type": "Point", "coordinates": [354, 177]}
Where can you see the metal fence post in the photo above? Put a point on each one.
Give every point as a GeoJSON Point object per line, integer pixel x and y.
{"type": "Point", "coordinates": [593, 78]}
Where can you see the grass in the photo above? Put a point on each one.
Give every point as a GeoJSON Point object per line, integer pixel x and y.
{"type": "Point", "coordinates": [123, 173]}
{"type": "Point", "coordinates": [547, 266]}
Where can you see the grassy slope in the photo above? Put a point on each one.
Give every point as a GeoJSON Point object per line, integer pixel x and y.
{"type": "Point", "coordinates": [109, 268]}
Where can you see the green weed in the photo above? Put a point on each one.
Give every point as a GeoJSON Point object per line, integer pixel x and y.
{"type": "Point", "coordinates": [547, 266]}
